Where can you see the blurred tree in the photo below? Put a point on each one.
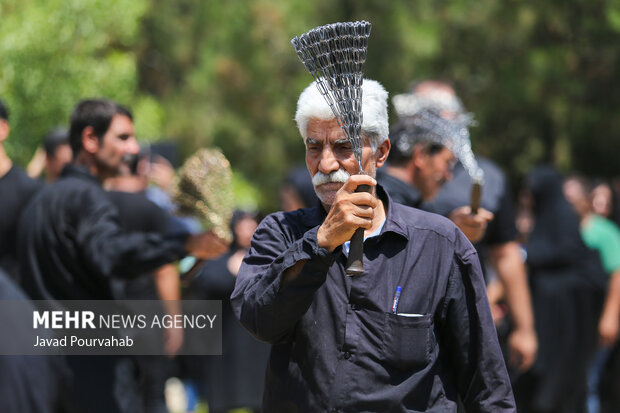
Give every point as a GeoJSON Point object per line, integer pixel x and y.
{"type": "Point", "coordinates": [539, 76]}
{"type": "Point", "coordinates": [56, 52]}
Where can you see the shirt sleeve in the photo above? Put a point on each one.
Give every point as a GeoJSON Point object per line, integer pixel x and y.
{"type": "Point", "coordinates": [470, 341]}
{"type": "Point", "coordinates": [267, 309]}
{"type": "Point", "coordinates": [503, 227]}
{"type": "Point", "coordinates": [107, 250]}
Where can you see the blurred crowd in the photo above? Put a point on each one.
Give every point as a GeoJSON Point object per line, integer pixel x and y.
{"type": "Point", "coordinates": [550, 254]}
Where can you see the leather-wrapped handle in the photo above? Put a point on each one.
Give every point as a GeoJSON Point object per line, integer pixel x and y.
{"type": "Point", "coordinates": [355, 264]}
{"type": "Point", "coordinates": [476, 195]}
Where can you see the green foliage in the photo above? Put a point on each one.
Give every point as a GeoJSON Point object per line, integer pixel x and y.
{"type": "Point", "coordinates": [56, 52]}
{"type": "Point", "coordinates": [539, 76]}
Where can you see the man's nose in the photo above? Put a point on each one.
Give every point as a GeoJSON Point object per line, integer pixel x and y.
{"type": "Point", "coordinates": [131, 146]}
{"type": "Point", "coordinates": [328, 162]}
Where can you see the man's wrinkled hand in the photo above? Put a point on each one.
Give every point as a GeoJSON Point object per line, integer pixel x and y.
{"type": "Point", "coordinates": [351, 210]}
{"type": "Point", "coordinates": [473, 226]}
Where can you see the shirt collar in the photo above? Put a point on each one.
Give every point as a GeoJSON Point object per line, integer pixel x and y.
{"type": "Point", "coordinates": [78, 171]}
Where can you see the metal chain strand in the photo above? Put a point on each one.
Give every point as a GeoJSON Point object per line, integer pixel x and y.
{"type": "Point", "coordinates": [334, 55]}
{"type": "Point", "coordinates": [429, 125]}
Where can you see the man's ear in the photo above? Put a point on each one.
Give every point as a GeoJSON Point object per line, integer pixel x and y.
{"type": "Point", "coordinates": [419, 156]}
{"type": "Point", "coordinates": [4, 129]}
{"type": "Point", "coordinates": [382, 152]}
{"type": "Point", "coordinates": [90, 141]}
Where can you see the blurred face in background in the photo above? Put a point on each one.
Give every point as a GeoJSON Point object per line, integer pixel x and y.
{"type": "Point", "coordinates": [433, 170]}
{"type": "Point", "coordinates": [576, 195]}
{"type": "Point", "coordinates": [602, 198]}
{"type": "Point", "coordinates": [244, 230]}
{"type": "Point", "coordinates": [54, 164]}
{"type": "Point", "coordinates": [118, 141]}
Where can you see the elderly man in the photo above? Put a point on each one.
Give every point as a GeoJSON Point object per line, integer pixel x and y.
{"type": "Point", "coordinates": [413, 333]}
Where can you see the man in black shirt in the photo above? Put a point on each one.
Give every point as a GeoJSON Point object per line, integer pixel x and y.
{"type": "Point", "coordinates": [71, 243]}
{"type": "Point", "coordinates": [413, 333]}
{"type": "Point", "coordinates": [16, 189]}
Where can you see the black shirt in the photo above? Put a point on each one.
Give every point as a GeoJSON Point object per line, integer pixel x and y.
{"type": "Point", "coordinates": [337, 344]}
{"type": "Point", "coordinates": [138, 214]}
{"type": "Point", "coordinates": [70, 242]}
{"type": "Point", "coordinates": [16, 189]}
{"type": "Point", "coordinates": [399, 191]}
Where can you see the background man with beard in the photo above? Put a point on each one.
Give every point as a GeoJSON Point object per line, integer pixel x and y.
{"type": "Point", "coordinates": [71, 243]}
{"type": "Point", "coordinates": [413, 333]}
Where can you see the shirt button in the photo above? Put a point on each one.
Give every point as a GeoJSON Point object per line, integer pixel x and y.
{"type": "Point", "coordinates": [347, 355]}
{"type": "Point", "coordinates": [355, 307]}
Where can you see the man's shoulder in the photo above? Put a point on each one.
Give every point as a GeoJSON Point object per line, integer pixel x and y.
{"type": "Point", "coordinates": [19, 180]}
{"type": "Point", "coordinates": [415, 220]}
{"type": "Point", "coordinates": [304, 218]}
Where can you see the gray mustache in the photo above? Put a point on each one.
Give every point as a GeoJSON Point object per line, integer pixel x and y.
{"type": "Point", "coordinates": [337, 176]}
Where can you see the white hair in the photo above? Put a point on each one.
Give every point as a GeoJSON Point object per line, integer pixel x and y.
{"type": "Point", "coordinates": [312, 104]}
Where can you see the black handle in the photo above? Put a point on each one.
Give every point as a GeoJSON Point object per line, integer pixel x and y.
{"type": "Point", "coordinates": [355, 264]}
{"type": "Point", "coordinates": [476, 195]}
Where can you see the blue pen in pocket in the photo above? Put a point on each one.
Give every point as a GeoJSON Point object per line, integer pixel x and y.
{"type": "Point", "coordinates": [396, 298]}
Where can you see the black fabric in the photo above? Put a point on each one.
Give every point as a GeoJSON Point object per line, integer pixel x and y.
{"type": "Point", "coordinates": [28, 384]}
{"type": "Point", "coordinates": [399, 191]}
{"type": "Point", "coordinates": [336, 343]}
{"type": "Point", "coordinates": [137, 213]}
{"type": "Point", "coordinates": [71, 243]}
{"type": "Point", "coordinates": [236, 378]}
{"type": "Point", "coordinates": [566, 304]}
{"type": "Point", "coordinates": [16, 189]}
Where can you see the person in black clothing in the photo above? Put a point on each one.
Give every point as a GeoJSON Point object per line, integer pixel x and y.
{"type": "Point", "coordinates": [564, 275]}
{"type": "Point", "coordinates": [236, 378]}
{"type": "Point", "coordinates": [71, 243]}
{"type": "Point", "coordinates": [16, 189]}
{"type": "Point", "coordinates": [28, 384]}
{"type": "Point", "coordinates": [492, 229]}
{"type": "Point", "coordinates": [413, 333]}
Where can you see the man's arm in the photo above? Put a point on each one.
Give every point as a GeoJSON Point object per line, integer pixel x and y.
{"type": "Point", "coordinates": [609, 324]}
{"type": "Point", "coordinates": [265, 304]}
{"type": "Point", "coordinates": [508, 263]}
{"type": "Point", "coordinates": [111, 251]}
{"type": "Point", "coordinates": [469, 341]}
{"type": "Point", "coordinates": [168, 285]}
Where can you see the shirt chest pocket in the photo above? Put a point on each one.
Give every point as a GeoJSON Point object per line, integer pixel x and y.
{"type": "Point", "coordinates": [407, 341]}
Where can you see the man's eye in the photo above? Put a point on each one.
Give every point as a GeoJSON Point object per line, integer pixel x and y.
{"type": "Point", "coordinates": [123, 137]}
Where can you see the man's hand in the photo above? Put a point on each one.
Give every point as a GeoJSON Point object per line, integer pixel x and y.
{"type": "Point", "coordinates": [206, 245]}
{"type": "Point", "coordinates": [472, 225]}
{"type": "Point", "coordinates": [522, 348]}
{"type": "Point", "coordinates": [351, 210]}
{"type": "Point", "coordinates": [608, 328]}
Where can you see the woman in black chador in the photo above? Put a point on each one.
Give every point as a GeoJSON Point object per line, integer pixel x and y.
{"type": "Point", "coordinates": [564, 276]}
